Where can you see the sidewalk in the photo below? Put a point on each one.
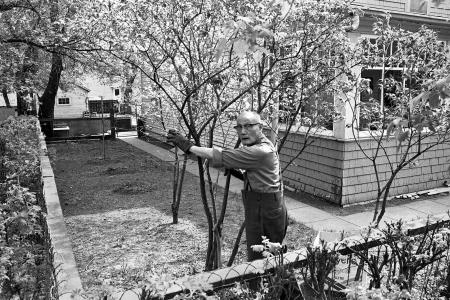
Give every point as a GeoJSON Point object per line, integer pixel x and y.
{"type": "Point", "coordinates": [313, 217]}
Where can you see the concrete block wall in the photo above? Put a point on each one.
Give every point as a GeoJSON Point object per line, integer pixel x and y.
{"type": "Point", "coordinates": [67, 275]}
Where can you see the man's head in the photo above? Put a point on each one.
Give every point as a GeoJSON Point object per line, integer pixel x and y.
{"type": "Point", "coordinates": [249, 127]}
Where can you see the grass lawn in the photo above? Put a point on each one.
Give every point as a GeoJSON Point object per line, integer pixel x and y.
{"type": "Point", "coordinates": [118, 214]}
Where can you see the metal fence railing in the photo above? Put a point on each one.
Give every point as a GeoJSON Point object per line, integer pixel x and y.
{"type": "Point", "coordinates": [354, 256]}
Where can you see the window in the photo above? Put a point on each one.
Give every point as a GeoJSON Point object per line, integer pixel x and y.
{"type": "Point", "coordinates": [116, 92]}
{"type": "Point", "coordinates": [63, 101]}
{"type": "Point", "coordinates": [384, 51]}
{"type": "Point", "coordinates": [418, 6]}
{"type": "Point", "coordinates": [389, 98]}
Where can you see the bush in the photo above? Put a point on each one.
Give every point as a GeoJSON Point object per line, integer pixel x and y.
{"type": "Point", "coordinates": [26, 268]}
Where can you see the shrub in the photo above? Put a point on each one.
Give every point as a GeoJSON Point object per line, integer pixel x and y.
{"type": "Point", "coordinates": [26, 269]}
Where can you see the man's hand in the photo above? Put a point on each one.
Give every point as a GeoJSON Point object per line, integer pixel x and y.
{"type": "Point", "coordinates": [180, 141]}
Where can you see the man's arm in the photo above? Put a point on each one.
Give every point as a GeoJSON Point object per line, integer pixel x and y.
{"type": "Point", "coordinates": [203, 152]}
{"type": "Point", "coordinates": [188, 147]}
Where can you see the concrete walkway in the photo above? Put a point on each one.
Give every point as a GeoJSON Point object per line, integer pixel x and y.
{"type": "Point", "coordinates": [311, 216]}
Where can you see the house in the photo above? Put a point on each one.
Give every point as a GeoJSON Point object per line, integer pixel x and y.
{"type": "Point", "coordinates": [71, 102]}
{"type": "Point", "coordinates": [5, 112]}
{"type": "Point", "coordinates": [84, 109]}
{"type": "Point", "coordinates": [28, 106]}
{"type": "Point", "coordinates": [100, 92]}
{"type": "Point", "coordinates": [12, 100]}
{"type": "Point", "coordinates": [333, 167]}
{"type": "Point", "coordinates": [92, 98]}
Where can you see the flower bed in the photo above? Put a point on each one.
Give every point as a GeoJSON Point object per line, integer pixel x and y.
{"type": "Point", "coordinates": [26, 268]}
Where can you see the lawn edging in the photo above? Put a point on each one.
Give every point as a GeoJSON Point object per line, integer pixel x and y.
{"type": "Point", "coordinates": [66, 272]}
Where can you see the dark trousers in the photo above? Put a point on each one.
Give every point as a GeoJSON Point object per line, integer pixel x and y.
{"type": "Point", "coordinates": [265, 215]}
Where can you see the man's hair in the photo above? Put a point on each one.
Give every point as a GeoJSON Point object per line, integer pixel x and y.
{"type": "Point", "coordinates": [253, 114]}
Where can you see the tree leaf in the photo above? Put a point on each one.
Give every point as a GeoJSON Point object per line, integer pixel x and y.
{"type": "Point", "coordinates": [431, 126]}
{"type": "Point", "coordinates": [220, 48]}
{"type": "Point", "coordinates": [263, 31]}
{"type": "Point", "coordinates": [401, 137]}
{"type": "Point", "coordinates": [245, 19]}
{"type": "Point", "coordinates": [241, 47]}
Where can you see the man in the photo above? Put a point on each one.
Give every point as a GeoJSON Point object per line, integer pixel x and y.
{"type": "Point", "coordinates": [265, 211]}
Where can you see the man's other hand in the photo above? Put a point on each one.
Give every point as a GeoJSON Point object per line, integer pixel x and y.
{"type": "Point", "coordinates": [180, 141]}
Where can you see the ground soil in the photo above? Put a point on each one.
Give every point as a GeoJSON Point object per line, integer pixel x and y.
{"type": "Point", "coordinates": [117, 209]}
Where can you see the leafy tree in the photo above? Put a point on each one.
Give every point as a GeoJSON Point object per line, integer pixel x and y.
{"type": "Point", "coordinates": [39, 38]}
{"type": "Point", "coordinates": [307, 64]}
{"type": "Point", "coordinates": [209, 60]}
{"type": "Point", "coordinates": [20, 38]}
{"type": "Point", "coordinates": [162, 41]}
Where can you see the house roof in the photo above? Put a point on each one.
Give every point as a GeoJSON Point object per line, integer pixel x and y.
{"type": "Point", "coordinates": [83, 87]}
{"type": "Point", "coordinates": [74, 86]}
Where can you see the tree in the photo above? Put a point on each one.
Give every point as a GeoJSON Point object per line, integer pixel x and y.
{"type": "Point", "coordinates": [306, 61]}
{"type": "Point", "coordinates": [162, 41]}
{"type": "Point", "coordinates": [206, 61]}
{"type": "Point", "coordinates": [21, 73]}
{"type": "Point", "coordinates": [54, 33]}
{"type": "Point", "coordinates": [209, 60]}
{"type": "Point", "coordinates": [409, 106]}
{"type": "Point", "coordinates": [49, 95]}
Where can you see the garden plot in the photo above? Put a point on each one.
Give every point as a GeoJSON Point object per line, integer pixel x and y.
{"type": "Point", "coordinates": [118, 214]}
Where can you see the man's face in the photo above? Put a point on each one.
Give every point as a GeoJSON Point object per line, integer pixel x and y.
{"type": "Point", "coordinates": [248, 127]}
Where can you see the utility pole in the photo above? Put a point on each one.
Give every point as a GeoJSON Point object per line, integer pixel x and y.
{"type": "Point", "coordinates": [141, 87]}
{"type": "Point", "coordinates": [103, 129]}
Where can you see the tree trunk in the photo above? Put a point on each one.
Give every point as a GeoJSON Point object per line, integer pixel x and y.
{"type": "Point", "coordinates": [5, 96]}
{"type": "Point", "coordinates": [209, 218]}
{"type": "Point", "coordinates": [236, 245]}
{"type": "Point", "coordinates": [28, 70]}
{"type": "Point", "coordinates": [129, 81]}
{"type": "Point", "coordinates": [21, 108]}
{"type": "Point", "coordinates": [48, 97]}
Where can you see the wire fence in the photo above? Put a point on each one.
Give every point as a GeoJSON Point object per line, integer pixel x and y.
{"type": "Point", "coordinates": [356, 259]}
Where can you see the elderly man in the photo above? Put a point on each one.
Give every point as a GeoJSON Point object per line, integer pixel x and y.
{"type": "Point", "coordinates": [265, 211]}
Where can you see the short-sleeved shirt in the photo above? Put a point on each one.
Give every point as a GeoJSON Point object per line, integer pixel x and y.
{"type": "Point", "coordinates": [259, 160]}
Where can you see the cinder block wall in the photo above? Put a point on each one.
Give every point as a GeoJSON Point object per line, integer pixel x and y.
{"type": "Point", "coordinates": [339, 172]}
